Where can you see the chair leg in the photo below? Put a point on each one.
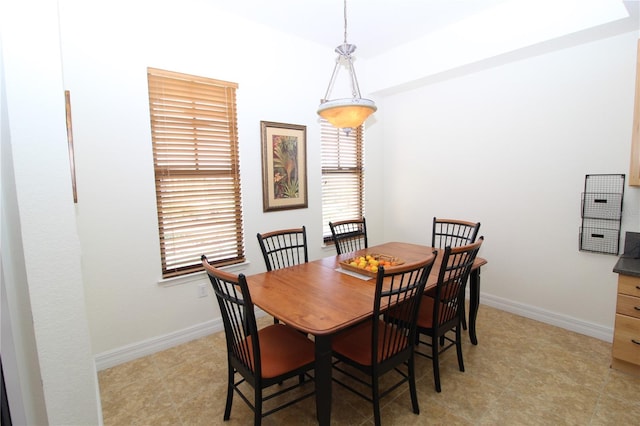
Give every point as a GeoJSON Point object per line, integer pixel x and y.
{"type": "Point", "coordinates": [435, 351]}
{"type": "Point", "coordinates": [464, 316]}
{"type": "Point", "coordinates": [376, 401]}
{"type": "Point", "coordinates": [257, 405]}
{"type": "Point", "coordinates": [459, 347]}
{"type": "Point", "coordinates": [227, 409]}
{"type": "Point", "coordinates": [412, 386]}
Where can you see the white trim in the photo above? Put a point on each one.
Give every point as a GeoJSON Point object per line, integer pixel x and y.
{"type": "Point", "coordinates": [150, 346]}
{"type": "Point", "coordinates": [548, 317]}
{"type": "Point", "coordinates": [147, 347]}
{"type": "Point", "coordinates": [98, 398]}
{"type": "Point", "coordinates": [200, 276]}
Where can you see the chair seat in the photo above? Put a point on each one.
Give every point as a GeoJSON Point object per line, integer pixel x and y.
{"type": "Point", "coordinates": [425, 312]}
{"type": "Point", "coordinates": [283, 349]}
{"type": "Point", "coordinates": [355, 343]}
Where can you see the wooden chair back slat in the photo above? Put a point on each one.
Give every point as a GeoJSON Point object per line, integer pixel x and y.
{"type": "Point", "coordinates": [349, 235]}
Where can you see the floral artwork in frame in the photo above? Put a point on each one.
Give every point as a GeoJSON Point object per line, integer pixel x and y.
{"type": "Point", "coordinates": [284, 166]}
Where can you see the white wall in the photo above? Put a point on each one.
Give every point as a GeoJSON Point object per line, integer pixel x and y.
{"type": "Point", "coordinates": [510, 26]}
{"type": "Point", "coordinates": [40, 244]}
{"type": "Point", "coordinates": [105, 56]}
{"type": "Point", "coordinates": [519, 138]}
{"type": "Point", "coordinates": [17, 339]}
{"type": "Point", "coordinates": [526, 133]}
{"type": "Point", "coordinates": [509, 147]}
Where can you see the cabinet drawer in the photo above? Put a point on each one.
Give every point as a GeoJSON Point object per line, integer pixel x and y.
{"type": "Point", "coordinates": [629, 285]}
{"type": "Point", "coordinates": [627, 332]}
{"type": "Point", "coordinates": [628, 305]}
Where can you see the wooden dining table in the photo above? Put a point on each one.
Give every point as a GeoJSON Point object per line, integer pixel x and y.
{"type": "Point", "coordinates": [321, 299]}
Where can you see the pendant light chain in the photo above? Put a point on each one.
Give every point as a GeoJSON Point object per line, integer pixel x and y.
{"type": "Point", "coordinates": [355, 88]}
{"type": "Point", "coordinates": [350, 113]}
{"type": "Point", "coordinates": [345, 21]}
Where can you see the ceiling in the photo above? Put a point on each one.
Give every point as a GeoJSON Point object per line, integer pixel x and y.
{"type": "Point", "coordinates": [452, 34]}
{"type": "Point", "coordinates": [374, 26]}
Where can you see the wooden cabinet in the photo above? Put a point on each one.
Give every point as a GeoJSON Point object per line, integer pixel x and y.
{"type": "Point", "coordinates": [634, 172]}
{"type": "Point", "coordinates": [626, 334]}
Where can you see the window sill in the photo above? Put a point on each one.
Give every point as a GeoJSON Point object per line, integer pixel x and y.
{"type": "Point", "coordinates": [329, 248]}
{"type": "Point", "coordinates": [198, 277]}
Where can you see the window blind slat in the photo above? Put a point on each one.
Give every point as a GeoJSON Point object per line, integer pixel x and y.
{"type": "Point", "coordinates": [342, 163]}
{"type": "Point", "coordinates": [195, 151]}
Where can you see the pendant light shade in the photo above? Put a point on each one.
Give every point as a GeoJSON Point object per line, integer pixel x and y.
{"type": "Point", "coordinates": [346, 113]}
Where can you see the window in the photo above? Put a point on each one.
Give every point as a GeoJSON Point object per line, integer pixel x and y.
{"type": "Point", "coordinates": [342, 175]}
{"type": "Point", "coordinates": [195, 156]}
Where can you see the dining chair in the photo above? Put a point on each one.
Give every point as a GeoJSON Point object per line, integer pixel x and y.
{"type": "Point", "coordinates": [440, 317]}
{"type": "Point", "coordinates": [349, 235]}
{"type": "Point", "coordinates": [283, 248]}
{"type": "Point", "coordinates": [385, 343]}
{"type": "Point", "coordinates": [453, 233]}
{"type": "Point", "coordinates": [261, 358]}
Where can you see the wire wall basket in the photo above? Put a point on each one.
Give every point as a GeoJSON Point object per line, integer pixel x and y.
{"type": "Point", "coordinates": [601, 212]}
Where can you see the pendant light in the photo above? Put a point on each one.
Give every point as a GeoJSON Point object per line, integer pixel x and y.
{"type": "Point", "coordinates": [346, 113]}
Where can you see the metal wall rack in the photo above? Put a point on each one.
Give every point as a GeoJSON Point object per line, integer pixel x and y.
{"type": "Point", "coordinates": [602, 213]}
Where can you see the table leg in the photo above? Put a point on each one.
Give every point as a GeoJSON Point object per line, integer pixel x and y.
{"type": "Point", "coordinates": [323, 379]}
{"type": "Point", "coordinates": [474, 303]}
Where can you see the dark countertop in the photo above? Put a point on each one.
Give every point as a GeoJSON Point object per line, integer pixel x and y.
{"type": "Point", "coordinates": [628, 266]}
{"type": "Point", "coordinates": [629, 262]}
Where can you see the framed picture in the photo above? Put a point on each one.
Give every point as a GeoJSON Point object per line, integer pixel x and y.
{"type": "Point", "coordinates": [72, 161]}
{"type": "Point", "coordinates": [284, 166]}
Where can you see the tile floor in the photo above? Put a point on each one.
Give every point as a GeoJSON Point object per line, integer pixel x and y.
{"type": "Point", "coordinates": [523, 372]}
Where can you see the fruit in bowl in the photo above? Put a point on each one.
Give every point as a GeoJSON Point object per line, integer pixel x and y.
{"type": "Point", "coordinates": [369, 263]}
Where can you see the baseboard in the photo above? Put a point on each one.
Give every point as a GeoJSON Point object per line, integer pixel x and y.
{"type": "Point", "coordinates": [147, 347]}
{"type": "Point", "coordinates": [548, 317]}
{"type": "Point", "coordinates": [150, 346]}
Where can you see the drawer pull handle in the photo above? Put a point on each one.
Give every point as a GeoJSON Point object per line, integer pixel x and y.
{"type": "Point", "coordinates": [637, 308]}
{"type": "Point", "coordinates": [638, 287]}
{"type": "Point", "coordinates": [635, 341]}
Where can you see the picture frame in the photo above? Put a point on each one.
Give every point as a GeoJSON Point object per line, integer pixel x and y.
{"type": "Point", "coordinates": [284, 166]}
{"type": "Point", "coordinates": [72, 160]}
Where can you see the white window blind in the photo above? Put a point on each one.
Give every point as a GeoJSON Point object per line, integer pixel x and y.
{"type": "Point", "coordinates": [342, 175]}
{"type": "Point", "coordinates": [197, 174]}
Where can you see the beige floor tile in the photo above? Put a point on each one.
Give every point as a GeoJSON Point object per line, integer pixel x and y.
{"type": "Point", "coordinates": [116, 377]}
{"type": "Point", "coordinates": [462, 394]}
{"type": "Point", "coordinates": [523, 372]}
{"type": "Point", "coordinates": [614, 411]}
{"type": "Point", "coordinates": [189, 352]}
{"type": "Point", "coordinates": [136, 398]}
{"type": "Point", "coordinates": [623, 386]}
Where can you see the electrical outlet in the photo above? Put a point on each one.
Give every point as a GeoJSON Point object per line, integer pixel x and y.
{"type": "Point", "coordinates": [202, 290]}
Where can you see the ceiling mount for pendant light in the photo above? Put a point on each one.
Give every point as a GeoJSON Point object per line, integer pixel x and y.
{"type": "Point", "coordinates": [346, 113]}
